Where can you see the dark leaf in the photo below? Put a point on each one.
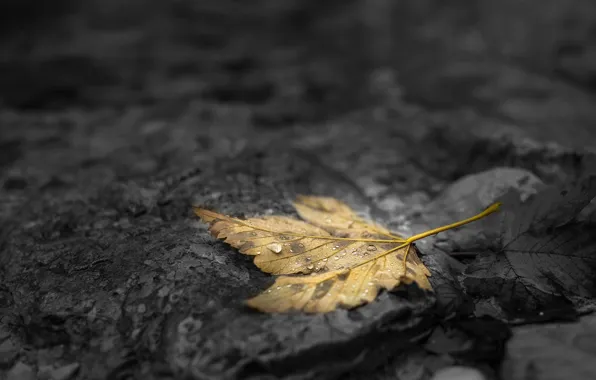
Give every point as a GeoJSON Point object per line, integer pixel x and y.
{"type": "Point", "coordinates": [544, 263]}
{"type": "Point", "coordinates": [551, 208]}
{"type": "Point", "coordinates": [450, 295]}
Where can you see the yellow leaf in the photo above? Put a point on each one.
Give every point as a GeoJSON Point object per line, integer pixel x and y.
{"type": "Point", "coordinates": [337, 259]}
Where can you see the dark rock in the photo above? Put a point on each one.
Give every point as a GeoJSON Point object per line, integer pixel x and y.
{"type": "Point", "coordinates": [236, 344]}
{"type": "Point", "coordinates": [65, 372]}
{"type": "Point", "coordinates": [458, 373]}
{"type": "Point", "coordinates": [552, 352]}
{"type": "Point", "coordinates": [20, 371]}
{"type": "Point", "coordinates": [9, 352]}
{"type": "Point", "coordinates": [10, 152]}
{"type": "Point", "coordinates": [15, 183]}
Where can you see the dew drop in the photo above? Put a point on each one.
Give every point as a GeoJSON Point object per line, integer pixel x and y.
{"type": "Point", "coordinates": [253, 234]}
{"type": "Point", "coordinates": [291, 251]}
{"type": "Point", "coordinates": [283, 237]}
{"type": "Point", "coordinates": [325, 259]}
{"type": "Point", "coordinates": [371, 248]}
{"type": "Point", "coordinates": [371, 283]}
{"type": "Point", "coordinates": [366, 235]}
{"type": "Point", "coordinates": [269, 291]}
{"type": "Point", "coordinates": [310, 267]}
{"type": "Point", "coordinates": [308, 259]}
{"type": "Point", "coordinates": [343, 254]}
{"type": "Point", "coordinates": [301, 245]}
{"type": "Point", "coordinates": [289, 286]}
{"type": "Point", "coordinates": [275, 247]}
{"type": "Point", "coordinates": [335, 258]}
{"type": "Point", "coordinates": [279, 287]}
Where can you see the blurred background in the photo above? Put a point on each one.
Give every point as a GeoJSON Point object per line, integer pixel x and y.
{"type": "Point", "coordinates": [292, 60]}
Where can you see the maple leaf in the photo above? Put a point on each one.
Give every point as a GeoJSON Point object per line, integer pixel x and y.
{"type": "Point", "coordinates": [544, 259]}
{"type": "Point", "coordinates": [332, 259]}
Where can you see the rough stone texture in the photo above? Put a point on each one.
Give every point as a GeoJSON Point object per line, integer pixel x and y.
{"type": "Point", "coordinates": [458, 373]}
{"type": "Point", "coordinates": [104, 267]}
{"type": "Point", "coordinates": [113, 126]}
{"type": "Point", "coordinates": [103, 258]}
{"type": "Point", "coordinates": [554, 351]}
{"type": "Point", "coordinates": [20, 371]}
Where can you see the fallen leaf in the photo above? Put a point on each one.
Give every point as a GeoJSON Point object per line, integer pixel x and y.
{"type": "Point", "coordinates": [332, 259]}
{"type": "Point", "coordinates": [544, 262]}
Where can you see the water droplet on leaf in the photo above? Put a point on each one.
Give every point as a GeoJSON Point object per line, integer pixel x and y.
{"type": "Point", "coordinates": [371, 248]}
{"type": "Point", "coordinates": [275, 247]}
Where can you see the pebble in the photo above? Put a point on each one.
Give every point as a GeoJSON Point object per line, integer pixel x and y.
{"type": "Point", "coordinates": [65, 372]}
{"type": "Point", "coordinates": [458, 373]}
{"type": "Point", "coordinates": [20, 371]}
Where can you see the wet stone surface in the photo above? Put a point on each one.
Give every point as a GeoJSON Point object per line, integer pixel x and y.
{"type": "Point", "coordinates": [103, 258]}
{"type": "Point", "coordinates": [106, 273]}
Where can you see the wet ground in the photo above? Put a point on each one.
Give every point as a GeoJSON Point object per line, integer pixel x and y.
{"type": "Point", "coordinates": [111, 127]}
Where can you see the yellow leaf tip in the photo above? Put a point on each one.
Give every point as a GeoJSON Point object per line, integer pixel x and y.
{"type": "Point", "coordinates": [493, 208]}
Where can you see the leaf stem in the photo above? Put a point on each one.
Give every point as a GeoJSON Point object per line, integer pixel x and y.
{"type": "Point", "coordinates": [489, 210]}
